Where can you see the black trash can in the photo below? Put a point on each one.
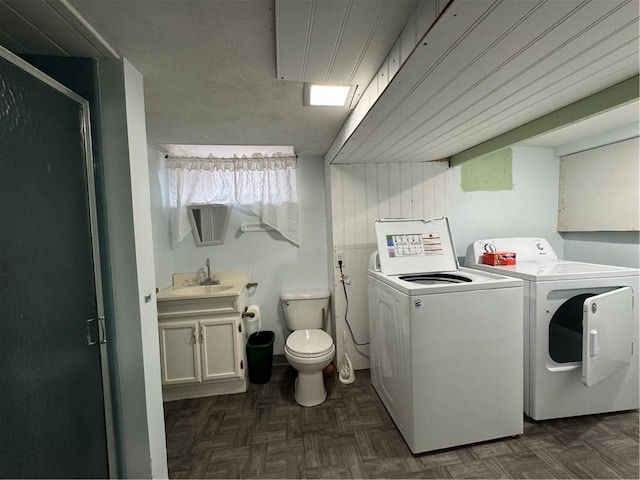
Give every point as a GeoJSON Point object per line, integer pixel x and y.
{"type": "Point", "coordinates": [260, 356]}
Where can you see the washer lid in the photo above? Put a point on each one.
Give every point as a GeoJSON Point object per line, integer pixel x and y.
{"type": "Point", "coordinates": [415, 245]}
{"type": "Point", "coordinates": [309, 342]}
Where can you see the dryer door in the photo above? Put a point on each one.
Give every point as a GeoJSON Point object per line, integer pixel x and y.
{"type": "Point", "coordinates": [607, 340]}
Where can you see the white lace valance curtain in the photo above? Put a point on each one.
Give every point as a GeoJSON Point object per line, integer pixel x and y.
{"type": "Point", "coordinates": [264, 185]}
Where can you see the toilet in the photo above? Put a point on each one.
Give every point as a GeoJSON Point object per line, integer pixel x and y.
{"type": "Point", "coordinates": [308, 349]}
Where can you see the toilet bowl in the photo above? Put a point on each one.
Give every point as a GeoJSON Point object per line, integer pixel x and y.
{"type": "Point", "coordinates": [308, 349]}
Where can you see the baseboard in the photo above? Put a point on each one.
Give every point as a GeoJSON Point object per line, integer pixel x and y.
{"type": "Point", "coordinates": [279, 360]}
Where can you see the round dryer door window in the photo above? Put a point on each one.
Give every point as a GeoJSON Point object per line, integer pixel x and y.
{"type": "Point", "coordinates": [565, 330]}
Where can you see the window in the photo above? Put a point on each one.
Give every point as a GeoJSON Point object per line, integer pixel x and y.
{"type": "Point", "coordinates": [262, 184]}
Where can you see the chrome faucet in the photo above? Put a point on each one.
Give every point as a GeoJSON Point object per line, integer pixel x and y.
{"type": "Point", "coordinates": [209, 280]}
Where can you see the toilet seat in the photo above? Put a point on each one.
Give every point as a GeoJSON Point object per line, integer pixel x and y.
{"type": "Point", "coordinates": [309, 343]}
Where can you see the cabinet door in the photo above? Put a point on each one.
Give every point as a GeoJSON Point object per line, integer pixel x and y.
{"type": "Point", "coordinates": [222, 348]}
{"type": "Point", "coordinates": [179, 352]}
{"type": "Point", "coordinates": [607, 338]}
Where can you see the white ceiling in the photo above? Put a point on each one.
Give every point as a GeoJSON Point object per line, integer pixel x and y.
{"type": "Point", "coordinates": [210, 67]}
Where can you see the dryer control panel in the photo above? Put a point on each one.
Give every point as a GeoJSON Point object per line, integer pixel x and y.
{"type": "Point", "coordinates": [526, 249]}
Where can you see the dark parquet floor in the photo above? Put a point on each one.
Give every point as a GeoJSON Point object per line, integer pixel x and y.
{"type": "Point", "coordinates": [263, 433]}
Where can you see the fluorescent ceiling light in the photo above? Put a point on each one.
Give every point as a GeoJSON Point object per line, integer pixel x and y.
{"type": "Point", "coordinates": [328, 95]}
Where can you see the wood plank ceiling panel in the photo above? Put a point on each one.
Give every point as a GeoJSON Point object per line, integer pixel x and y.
{"type": "Point", "coordinates": [52, 18]}
{"type": "Point", "coordinates": [356, 48]}
{"type": "Point", "coordinates": [293, 22]}
{"type": "Point", "coordinates": [459, 76]}
{"type": "Point", "coordinates": [546, 98]}
{"type": "Point", "coordinates": [336, 42]}
{"type": "Point", "coordinates": [48, 27]}
{"type": "Point", "coordinates": [487, 67]}
{"type": "Point", "coordinates": [16, 23]}
{"type": "Point", "coordinates": [393, 108]}
{"type": "Point", "coordinates": [324, 35]}
{"type": "Point", "coordinates": [539, 84]}
{"type": "Point", "coordinates": [8, 41]}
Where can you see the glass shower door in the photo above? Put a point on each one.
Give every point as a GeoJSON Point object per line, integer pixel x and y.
{"type": "Point", "coordinates": [52, 412]}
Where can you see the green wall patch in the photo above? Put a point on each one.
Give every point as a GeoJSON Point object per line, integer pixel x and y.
{"type": "Point", "coordinates": [488, 173]}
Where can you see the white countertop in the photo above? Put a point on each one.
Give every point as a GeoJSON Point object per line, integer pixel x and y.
{"type": "Point", "coordinates": [187, 286]}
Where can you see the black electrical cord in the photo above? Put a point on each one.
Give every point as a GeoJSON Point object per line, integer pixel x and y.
{"type": "Point", "coordinates": [346, 310]}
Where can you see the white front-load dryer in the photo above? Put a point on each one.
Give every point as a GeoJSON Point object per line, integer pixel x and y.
{"type": "Point", "coordinates": [581, 332]}
{"type": "Point", "coordinates": [446, 342]}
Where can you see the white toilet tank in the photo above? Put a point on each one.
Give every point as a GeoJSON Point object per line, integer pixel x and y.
{"type": "Point", "coordinates": [305, 309]}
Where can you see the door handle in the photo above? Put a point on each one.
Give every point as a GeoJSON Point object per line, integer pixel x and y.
{"type": "Point", "coordinates": [90, 340]}
{"type": "Point", "coordinates": [102, 330]}
{"type": "Point", "coordinates": [594, 342]}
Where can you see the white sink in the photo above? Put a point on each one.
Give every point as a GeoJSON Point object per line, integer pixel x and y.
{"type": "Point", "coordinates": [185, 287]}
{"type": "Point", "coordinates": [200, 290]}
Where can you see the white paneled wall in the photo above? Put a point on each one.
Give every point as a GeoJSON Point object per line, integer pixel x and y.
{"type": "Point", "coordinates": [360, 193]}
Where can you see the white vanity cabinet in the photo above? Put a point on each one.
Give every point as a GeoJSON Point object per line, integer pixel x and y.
{"type": "Point", "coordinates": [201, 349]}
{"type": "Point", "coordinates": [202, 345]}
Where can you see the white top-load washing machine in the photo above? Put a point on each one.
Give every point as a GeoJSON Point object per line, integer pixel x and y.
{"type": "Point", "coordinates": [580, 329]}
{"type": "Point", "coordinates": [446, 342]}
